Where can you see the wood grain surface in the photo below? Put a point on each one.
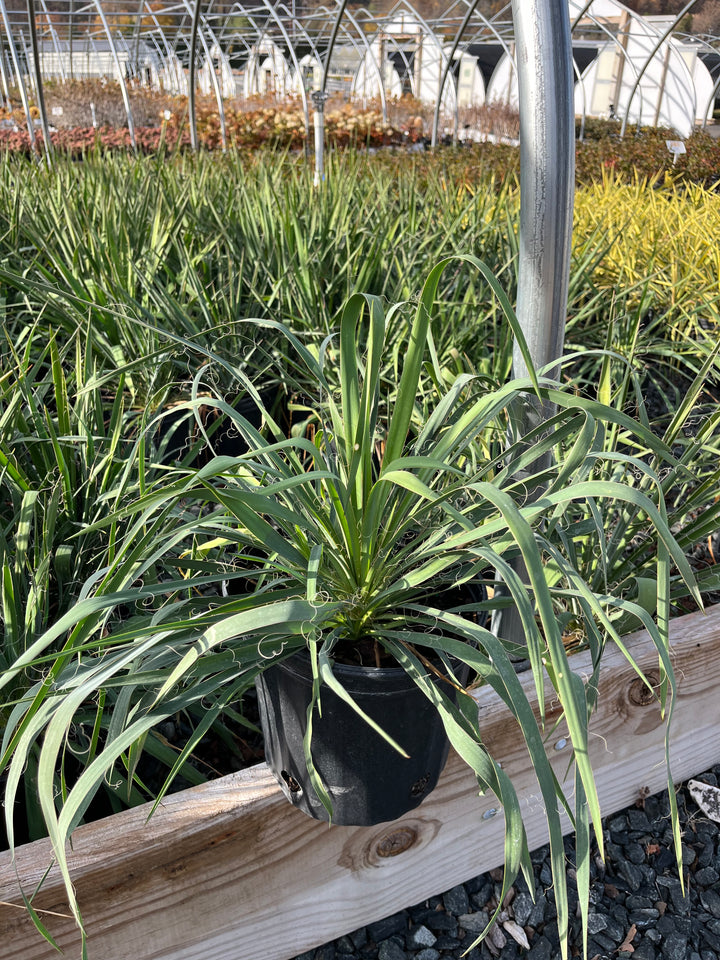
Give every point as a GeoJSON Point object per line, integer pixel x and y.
{"type": "Point", "coordinates": [230, 871]}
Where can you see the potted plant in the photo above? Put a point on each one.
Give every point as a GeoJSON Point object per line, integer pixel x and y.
{"type": "Point", "coordinates": [348, 538]}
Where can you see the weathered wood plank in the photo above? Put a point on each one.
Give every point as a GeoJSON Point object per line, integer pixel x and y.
{"type": "Point", "coordinates": [230, 871]}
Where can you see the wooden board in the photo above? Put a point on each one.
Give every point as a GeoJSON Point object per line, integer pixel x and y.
{"type": "Point", "coordinates": [230, 871]}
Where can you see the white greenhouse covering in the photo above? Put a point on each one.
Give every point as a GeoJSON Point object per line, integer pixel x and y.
{"type": "Point", "coordinates": [637, 69]}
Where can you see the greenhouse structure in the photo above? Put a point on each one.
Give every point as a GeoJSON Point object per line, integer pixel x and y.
{"type": "Point", "coordinates": [637, 69]}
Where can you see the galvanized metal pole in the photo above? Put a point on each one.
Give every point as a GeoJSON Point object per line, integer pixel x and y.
{"type": "Point", "coordinates": [320, 96]}
{"type": "Point", "coordinates": [543, 53]}
{"type": "Point", "coordinates": [547, 174]}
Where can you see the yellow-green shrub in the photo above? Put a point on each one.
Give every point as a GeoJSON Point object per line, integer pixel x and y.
{"type": "Point", "coordinates": [661, 243]}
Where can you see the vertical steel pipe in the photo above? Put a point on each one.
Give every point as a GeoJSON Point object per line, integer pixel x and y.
{"type": "Point", "coordinates": [318, 98]}
{"type": "Point", "coordinates": [543, 52]}
{"type": "Point", "coordinates": [547, 175]}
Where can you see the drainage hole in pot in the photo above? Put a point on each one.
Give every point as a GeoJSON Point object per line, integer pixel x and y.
{"type": "Point", "coordinates": [293, 785]}
{"type": "Point", "coordinates": [420, 786]}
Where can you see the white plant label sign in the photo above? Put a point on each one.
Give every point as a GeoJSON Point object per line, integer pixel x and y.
{"type": "Point", "coordinates": [676, 148]}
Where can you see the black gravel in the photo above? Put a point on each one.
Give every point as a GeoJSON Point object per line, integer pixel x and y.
{"type": "Point", "coordinates": [637, 908]}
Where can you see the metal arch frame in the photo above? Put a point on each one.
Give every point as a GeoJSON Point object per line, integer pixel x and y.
{"type": "Point", "coordinates": [27, 54]}
{"type": "Point", "coordinates": [293, 56]}
{"type": "Point", "coordinates": [197, 17]}
{"type": "Point", "coordinates": [392, 44]}
{"type": "Point", "coordinates": [71, 11]}
{"type": "Point", "coordinates": [235, 34]}
{"type": "Point", "coordinates": [192, 77]}
{"type": "Point", "coordinates": [471, 11]}
{"type": "Point", "coordinates": [192, 115]}
{"type": "Point", "coordinates": [148, 35]}
{"type": "Point", "coordinates": [612, 38]}
{"type": "Point", "coordinates": [21, 83]}
{"type": "Point", "coordinates": [54, 37]}
{"type": "Point", "coordinates": [341, 22]}
{"type": "Point", "coordinates": [169, 55]}
{"type": "Point", "coordinates": [615, 40]}
{"type": "Point", "coordinates": [342, 4]}
{"type": "Point", "coordinates": [576, 69]}
{"type": "Point", "coordinates": [4, 79]}
{"type": "Point", "coordinates": [713, 95]}
{"type": "Point", "coordinates": [662, 38]}
{"type": "Point", "coordinates": [223, 62]}
{"type": "Point", "coordinates": [173, 61]}
{"type": "Point", "coordinates": [365, 42]}
{"type": "Point", "coordinates": [223, 36]}
{"type": "Point", "coordinates": [137, 29]}
{"type": "Point", "coordinates": [121, 78]}
{"type": "Point", "coordinates": [260, 32]}
{"type": "Point", "coordinates": [583, 94]}
{"type": "Point", "coordinates": [145, 10]}
{"type": "Point", "coordinates": [155, 52]}
{"type": "Point", "coordinates": [264, 36]}
{"type": "Point", "coordinates": [252, 64]}
{"type": "Point", "coordinates": [405, 5]}
{"type": "Point", "coordinates": [354, 19]}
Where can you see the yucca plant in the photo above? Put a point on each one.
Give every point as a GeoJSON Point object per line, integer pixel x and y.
{"type": "Point", "coordinates": [341, 538]}
{"type": "Point", "coordinates": [65, 459]}
{"type": "Point", "coordinates": [193, 245]}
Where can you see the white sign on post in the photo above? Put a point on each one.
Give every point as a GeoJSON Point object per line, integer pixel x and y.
{"type": "Point", "coordinates": [676, 148]}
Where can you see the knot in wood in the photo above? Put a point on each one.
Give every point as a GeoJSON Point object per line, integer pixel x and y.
{"type": "Point", "coordinates": [639, 694]}
{"type": "Point", "coordinates": [398, 841]}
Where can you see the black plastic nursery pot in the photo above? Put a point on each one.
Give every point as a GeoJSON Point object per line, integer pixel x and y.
{"type": "Point", "coordinates": [367, 780]}
{"type": "Point", "coordinates": [179, 433]}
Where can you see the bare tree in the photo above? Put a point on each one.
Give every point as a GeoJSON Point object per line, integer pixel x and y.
{"type": "Point", "coordinates": [707, 19]}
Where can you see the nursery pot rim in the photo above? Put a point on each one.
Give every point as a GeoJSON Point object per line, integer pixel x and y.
{"type": "Point", "coordinates": [372, 675]}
